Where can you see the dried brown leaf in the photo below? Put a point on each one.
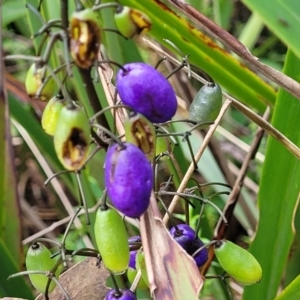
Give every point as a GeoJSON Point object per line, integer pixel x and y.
{"type": "Point", "coordinates": [84, 281]}
{"type": "Point", "coordinates": [171, 272]}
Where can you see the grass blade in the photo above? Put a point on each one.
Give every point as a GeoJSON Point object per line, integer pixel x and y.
{"type": "Point", "coordinates": [278, 196]}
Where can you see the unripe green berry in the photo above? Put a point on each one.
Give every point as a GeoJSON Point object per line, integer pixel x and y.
{"type": "Point", "coordinates": [240, 264]}
{"type": "Point", "coordinates": [206, 104]}
{"type": "Point", "coordinates": [85, 37]}
{"type": "Point", "coordinates": [34, 80]}
{"type": "Point", "coordinates": [111, 240]}
{"type": "Point", "coordinates": [131, 21]}
{"type": "Point", "coordinates": [38, 259]}
{"type": "Point", "coordinates": [51, 114]}
{"type": "Point", "coordinates": [141, 132]}
{"type": "Point", "coordinates": [72, 137]}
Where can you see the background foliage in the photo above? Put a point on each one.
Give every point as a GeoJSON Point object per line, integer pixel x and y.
{"type": "Point", "coordinates": [267, 215]}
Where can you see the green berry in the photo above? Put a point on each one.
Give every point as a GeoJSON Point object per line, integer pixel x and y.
{"type": "Point", "coordinates": [141, 132]}
{"type": "Point", "coordinates": [51, 114]}
{"type": "Point", "coordinates": [131, 21]}
{"type": "Point", "coordinates": [34, 80]}
{"type": "Point", "coordinates": [240, 264]}
{"type": "Point", "coordinates": [111, 240]}
{"type": "Point", "coordinates": [38, 259]}
{"type": "Point", "coordinates": [72, 137]}
{"type": "Point", "coordinates": [206, 104]}
{"type": "Point", "coordinates": [85, 37]}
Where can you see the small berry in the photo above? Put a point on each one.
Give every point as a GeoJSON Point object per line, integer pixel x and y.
{"type": "Point", "coordinates": [131, 21]}
{"type": "Point", "coordinates": [38, 258]}
{"type": "Point", "coordinates": [206, 104]}
{"type": "Point", "coordinates": [132, 259]}
{"type": "Point", "coordinates": [146, 91]}
{"type": "Point", "coordinates": [141, 132]}
{"type": "Point", "coordinates": [129, 179]}
{"type": "Point", "coordinates": [51, 114]}
{"type": "Point", "coordinates": [34, 80]}
{"type": "Point", "coordinates": [85, 37]}
{"type": "Point", "coordinates": [111, 240]}
{"type": "Point", "coordinates": [125, 295]}
{"type": "Point", "coordinates": [72, 137]}
{"type": "Point", "coordinates": [185, 236]}
{"type": "Point", "coordinates": [240, 264]}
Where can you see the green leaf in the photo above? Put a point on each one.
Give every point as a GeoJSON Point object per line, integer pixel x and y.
{"type": "Point", "coordinates": [291, 292]}
{"type": "Point", "coordinates": [15, 287]}
{"type": "Point", "coordinates": [14, 10]}
{"type": "Point", "coordinates": [278, 194]}
{"type": "Point", "coordinates": [204, 53]}
{"type": "Point", "coordinates": [282, 17]}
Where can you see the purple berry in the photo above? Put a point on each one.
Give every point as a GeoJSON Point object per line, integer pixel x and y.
{"type": "Point", "coordinates": [201, 257]}
{"type": "Point", "coordinates": [184, 235]}
{"type": "Point", "coordinates": [128, 178]}
{"type": "Point", "coordinates": [134, 239]}
{"type": "Point", "coordinates": [132, 259]}
{"type": "Point", "coordinates": [133, 242]}
{"type": "Point", "coordinates": [126, 295]}
{"type": "Point", "coordinates": [146, 91]}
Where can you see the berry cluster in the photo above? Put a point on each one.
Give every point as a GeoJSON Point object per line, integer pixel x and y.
{"type": "Point", "coordinates": [129, 178]}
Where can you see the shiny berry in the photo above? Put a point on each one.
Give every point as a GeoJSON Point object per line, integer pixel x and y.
{"type": "Point", "coordinates": [128, 178]}
{"type": "Point", "coordinates": [38, 258]}
{"type": "Point", "coordinates": [125, 295]}
{"type": "Point", "coordinates": [146, 91]}
{"type": "Point", "coordinates": [185, 236]}
{"type": "Point", "coordinates": [111, 240]}
{"type": "Point", "coordinates": [240, 264]}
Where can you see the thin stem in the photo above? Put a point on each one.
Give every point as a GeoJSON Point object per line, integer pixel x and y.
{"type": "Point", "coordinates": [117, 290]}
{"type": "Point", "coordinates": [64, 14]}
{"type": "Point", "coordinates": [69, 226]}
{"type": "Point", "coordinates": [110, 134]}
{"type": "Point", "coordinates": [198, 155]}
{"type": "Point", "coordinates": [55, 175]}
{"type": "Point", "coordinates": [107, 109]}
{"type": "Point", "coordinates": [106, 5]}
{"type": "Point", "coordinates": [83, 200]}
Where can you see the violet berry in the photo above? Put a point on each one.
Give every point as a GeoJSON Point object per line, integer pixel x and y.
{"type": "Point", "coordinates": [146, 91]}
{"type": "Point", "coordinates": [134, 242]}
{"type": "Point", "coordinates": [128, 178]}
{"type": "Point", "coordinates": [185, 236]}
{"type": "Point", "coordinates": [201, 257]}
{"type": "Point", "coordinates": [132, 259]}
{"type": "Point", "coordinates": [125, 295]}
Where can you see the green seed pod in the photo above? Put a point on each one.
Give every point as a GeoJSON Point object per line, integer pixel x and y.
{"type": "Point", "coordinates": [51, 114]}
{"type": "Point", "coordinates": [131, 21]}
{"type": "Point", "coordinates": [85, 37]}
{"type": "Point", "coordinates": [38, 259]}
{"type": "Point", "coordinates": [72, 137]}
{"type": "Point", "coordinates": [140, 132]}
{"type": "Point", "coordinates": [141, 264]}
{"type": "Point", "coordinates": [111, 240]}
{"type": "Point", "coordinates": [206, 104]}
{"type": "Point", "coordinates": [240, 264]}
{"type": "Point", "coordinates": [131, 273]}
{"type": "Point", "coordinates": [34, 79]}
